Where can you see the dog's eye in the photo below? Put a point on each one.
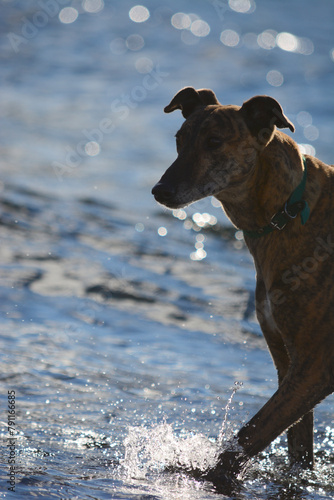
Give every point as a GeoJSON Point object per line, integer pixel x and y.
{"type": "Point", "coordinates": [213, 142]}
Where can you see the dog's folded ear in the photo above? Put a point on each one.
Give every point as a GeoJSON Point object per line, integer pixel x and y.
{"type": "Point", "coordinates": [188, 99]}
{"type": "Point", "coordinates": [261, 113]}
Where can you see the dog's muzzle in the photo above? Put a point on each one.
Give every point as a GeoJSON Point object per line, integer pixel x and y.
{"type": "Point", "coordinates": [164, 193]}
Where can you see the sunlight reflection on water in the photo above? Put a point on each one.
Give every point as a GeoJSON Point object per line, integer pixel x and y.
{"type": "Point", "coordinates": [117, 316]}
{"type": "Point", "coordinates": [68, 15]}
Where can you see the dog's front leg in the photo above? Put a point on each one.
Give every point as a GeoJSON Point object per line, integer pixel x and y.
{"type": "Point", "coordinates": [295, 397]}
{"type": "Point", "coordinates": [300, 436]}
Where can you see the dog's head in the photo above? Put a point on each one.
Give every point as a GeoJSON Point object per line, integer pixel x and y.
{"type": "Point", "coordinates": [217, 145]}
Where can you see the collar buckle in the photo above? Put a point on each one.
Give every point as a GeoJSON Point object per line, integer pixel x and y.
{"type": "Point", "coordinates": [291, 209]}
{"type": "Point", "coordinates": [281, 218]}
{"type": "Point", "coordinates": [278, 221]}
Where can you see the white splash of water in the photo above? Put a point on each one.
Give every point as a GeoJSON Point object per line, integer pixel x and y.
{"type": "Point", "coordinates": [223, 433]}
{"type": "Point", "coordinates": [156, 449]}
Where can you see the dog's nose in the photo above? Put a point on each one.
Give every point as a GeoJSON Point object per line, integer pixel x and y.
{"type": "Point", "coordinates": [163, 192]}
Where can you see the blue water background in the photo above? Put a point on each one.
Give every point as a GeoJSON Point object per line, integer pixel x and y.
{"type": "Point", "coordinates": [124, 329]}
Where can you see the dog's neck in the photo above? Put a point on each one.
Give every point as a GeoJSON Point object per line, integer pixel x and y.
{"type": "Point", "coordinates": [251, 204]}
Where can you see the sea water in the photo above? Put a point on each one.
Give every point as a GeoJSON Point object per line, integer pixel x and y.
{"type": "Point", "coordinates": [124, 327]}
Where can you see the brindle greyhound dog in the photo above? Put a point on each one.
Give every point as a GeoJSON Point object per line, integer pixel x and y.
{"type": "Point", "coordinates": [283, 202]}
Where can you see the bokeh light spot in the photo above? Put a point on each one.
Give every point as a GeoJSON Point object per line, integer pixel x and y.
{"type": "Point", "coordinates": [180, 214]}
{"type": "Point", "coordinates": [230, 38]}
{"type": "Point", "coordinates": [204, 220]}
{"type": "Point", "coordinates": [162, 231]}
{"type": "Point", "coordinates": [242, 6]}
{"type": "Point", "coordinates": [305, 46]}
{"type": "Point", "coordinates": [287, 41]}
{"type": "Point", "coordinates": [181, 21]}
{"type": "Point", "coordinates": [144, 65]}
{"type": "Point", "coordinates": [139, 14]}
{"type": "Point", "coordinates": [275, 78]}
{"type": "Point", "coordinates": [307, 149]}
{"type": "Point", "coordinates": [304, 118]}
{"type": "Point", "coordinates": [93, 6]}
{"type": "Point", "coordinates": [200, 28]}
{"type": "Point", "coordinates": [68, 15]}
{"type": "Point", "coordinates": [200, 254]}
{"type": "Point", "coordinates": [92, 148]}
{"type": "Point", "coordinates": [135, 42]}
{"type": "Point", "coordinates": [267, 39]}
{"type": "Point", "coordinates": [311, 133]}
{"type": "Point", "coordinates": [215, 203]}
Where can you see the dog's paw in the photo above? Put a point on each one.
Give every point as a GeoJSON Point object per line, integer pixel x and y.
{"type": "Point", "coordinates": [223, 481]}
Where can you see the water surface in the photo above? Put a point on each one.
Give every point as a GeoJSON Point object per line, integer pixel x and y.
{"type": "Point", "coordinates": [125, 328]}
